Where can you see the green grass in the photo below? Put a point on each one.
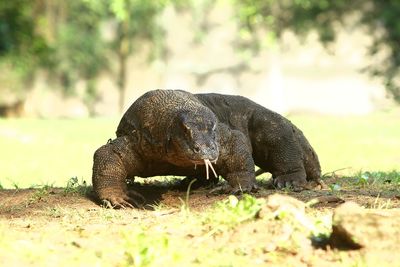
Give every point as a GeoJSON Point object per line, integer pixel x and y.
{"type": "Point", "coordinates": [35, 151]}
{"type": "Point", "coordinates": [368, 143]}
{"type": "Point", "coordinates": [38, 151]}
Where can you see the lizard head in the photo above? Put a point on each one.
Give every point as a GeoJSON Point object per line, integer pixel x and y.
{"type": "Point", "coordinates": [192, 138]}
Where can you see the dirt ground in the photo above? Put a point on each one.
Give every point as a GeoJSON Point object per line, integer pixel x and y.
{"type": "Point", "coordinates": [37, 213]}
{"type": "Point", "coordinates": [17, 203]}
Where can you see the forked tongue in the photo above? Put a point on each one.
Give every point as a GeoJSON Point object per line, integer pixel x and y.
{"type": "Point", "coordinates": [208, 164]}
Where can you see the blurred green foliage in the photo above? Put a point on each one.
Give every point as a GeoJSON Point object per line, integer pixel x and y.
{"type": "Point", "coordinates": [67, 39]}
{"type": "Point", "coordinates": [22, 49]}
{"type": "Point", "coordinates": [379, 18]}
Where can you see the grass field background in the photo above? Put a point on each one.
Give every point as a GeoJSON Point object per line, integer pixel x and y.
{"type": "Point", "coordinates": [51, 151]}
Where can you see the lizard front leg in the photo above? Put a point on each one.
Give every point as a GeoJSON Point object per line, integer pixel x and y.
{"type": "Point", "coordinates": [236, 163]}
{"type": "Point", "coordinates": [111, 165]}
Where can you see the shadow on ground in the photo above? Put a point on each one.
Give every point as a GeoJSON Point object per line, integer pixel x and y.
{"type": "Point", "coordinates": [28, 202]}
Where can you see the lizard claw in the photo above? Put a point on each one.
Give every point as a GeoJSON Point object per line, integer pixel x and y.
{"type": "Point", "coordinates": [123, 202]}
{"type": "Point", "coordinates": [237, 190]}
{"type": "Point", "coordinates": [292, 181]}
{"type": "Point", "coordinates": [222, 189]}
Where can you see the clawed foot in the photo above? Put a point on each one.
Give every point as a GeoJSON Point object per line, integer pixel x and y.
{"type": "Point", "coordinates": [131, 200]}
{"type": "Point", "coordinates": [291, 181]}
{"type": "Point", "coordinates": [199, 183]}
{"type": "Point", "coordinates": [237, 190]}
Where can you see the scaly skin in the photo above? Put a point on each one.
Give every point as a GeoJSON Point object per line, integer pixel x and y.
{"type": "Point", "coordinates": [278, 146]}
{"type": "Point", "coordinates": [168, 132]}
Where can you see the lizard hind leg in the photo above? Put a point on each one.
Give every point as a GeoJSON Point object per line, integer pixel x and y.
{"type": "Point", "coordinates": [295, 180]}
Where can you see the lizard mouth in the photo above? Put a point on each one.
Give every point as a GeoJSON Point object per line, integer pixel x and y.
{"type": "Point", "coordinates": [208, 164]}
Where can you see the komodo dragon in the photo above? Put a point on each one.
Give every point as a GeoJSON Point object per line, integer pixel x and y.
{"type": "Point", "coordinates": [152, 131]}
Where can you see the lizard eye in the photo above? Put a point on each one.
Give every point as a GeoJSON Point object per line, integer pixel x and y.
{"type": "Point", "coordinates": [187, 130]}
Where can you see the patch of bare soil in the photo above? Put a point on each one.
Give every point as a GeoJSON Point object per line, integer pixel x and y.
{"type": "Point", "coordinates": [25, 208]}
{"type": "Point", "coordinates": [27, 202]}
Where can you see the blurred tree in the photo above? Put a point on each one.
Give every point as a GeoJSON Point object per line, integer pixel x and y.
{"type": "Point", "coordinates": [72, 29]}
{"type": "Point", "coordinates": [65, 37]}
{"type": "Point", "coordinates": [22, 48]}
{"type": "Point", "coordinates": [380, 18]}
{"type": "Point", "coordinates": [81, 50]}
{"type": "Point", "coordinates": [59, 36]}
{"type": "Point", "coordinates": [136, 20]}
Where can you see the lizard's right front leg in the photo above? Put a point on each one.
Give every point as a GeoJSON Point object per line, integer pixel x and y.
{"type": "Point", "coordinates": [111, 164]}
{"type": "Point", "coordinates": [236, 163]}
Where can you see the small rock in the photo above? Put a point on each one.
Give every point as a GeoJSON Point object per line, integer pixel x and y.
{"type": "Point", "coordinates": [354, 227]}
{"type": "Point", "coordinates": [277, 202]}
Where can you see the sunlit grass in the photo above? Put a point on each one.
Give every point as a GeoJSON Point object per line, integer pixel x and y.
{"type": "Point", "coordinates": [369, 143]}
{"type": "Point", "coordinates": [35, 151]}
